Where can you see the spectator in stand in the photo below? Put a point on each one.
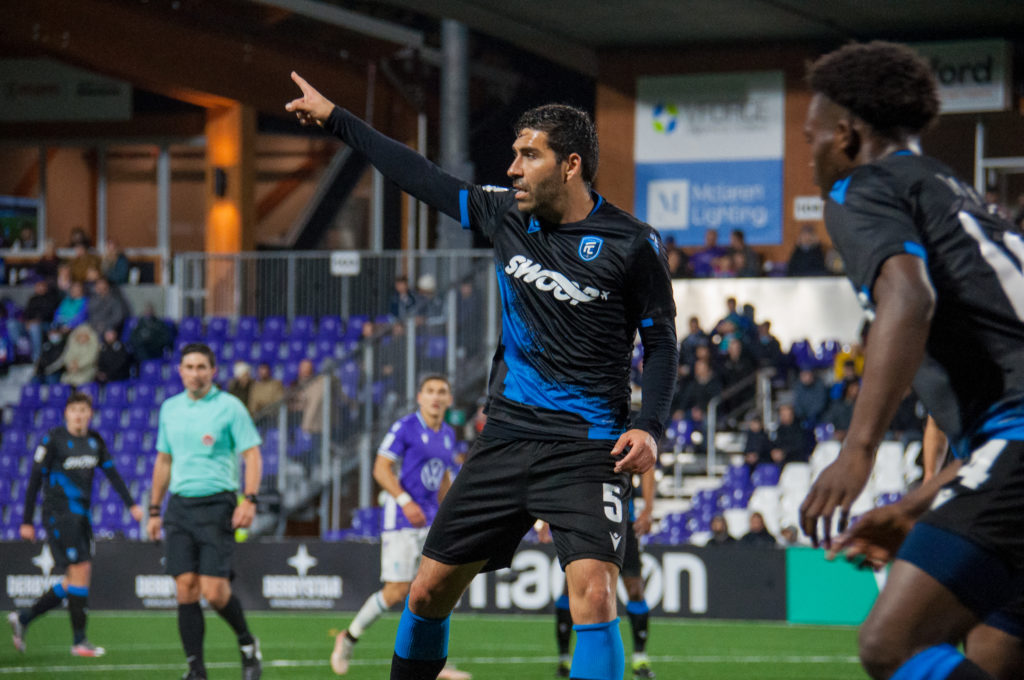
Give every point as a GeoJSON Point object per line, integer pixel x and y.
{"type": "Point", "coordinates": [80, 356]}
{"type": "Point", "coordinates": [107, 309]}
{"type": "Point", "coordinates": [767, 349]}
{"type": "Point", "coordinates": [697, 426]}
{"type": "Point", "coordinates": [791, 442]}
{"type": "Point", "coordinates": [240, 384]}
{"type": "Point", "coordinates": [39, 313]}
{"type": "Point", "coordinates": [757, 447]}
{"type": "Point", "coordinates": [115, 266]}
{"type": "Point", "coordinates": [737, 368]}
{"type": "Point", "coordinates": [430, 307]}
{"type": "Point", "coordinates": [115, 362]}
{"type": "Point", "coordinates": [265, 390]}
{"type": "Point", "coordinates": [469, 313]}
{"type": "Point", "coordinates": [151, 336]}
{"type": "Point", "coordinates": [402, 300]}
{"type": "Point", "coordinates": [26, 239]}
{"type": "Point", "coordinates": [840, 412]}
{"type": "Point", "coordinates": [47, 265]}
{"type": "Point", "coordinates": [689, 344]}
{"type": "Point", "coordinates": [758, 534]}
{"type": "Point", "coordinates": [810, 398]}
{"type": "Point", "coordinates": [720, 532]}
{"type": "Point", "coordinates": [702, 262]}
{"type": "Point", "coordinates": [848, 374]}
{"type": "Point", "coordinates": [72, 310]}
{"type": "Point", "coordinates": [49, 367]}
{"type": "Point", "coordinates": [63, 279]}
{"type": "Point", "coordinates": [789, 536]}
{"type": "Point", "coordinates": [704, 387]}
{"type": "Point", "coordinates": [808, 256]}
{"type": "Point", "coordinates": [749, 262]}
{"type": "Point", "coordinates": [848, 353]}
{"type": "Point", "coordinates": [296, 400]}
{"type": "Point", "coordinates": [82, 262]}
{"type": "Point", "coordinates": [678, 263]}
{"type": "Point", "coordinates": [79, 238]}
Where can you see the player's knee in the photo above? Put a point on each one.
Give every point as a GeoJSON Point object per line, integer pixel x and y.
{"type": "Point", "coordinates": [595, 600]}
{"type": "Point", "coordinates": [394, 593]}
{"type": "Point", "coordinates": [879, 653]}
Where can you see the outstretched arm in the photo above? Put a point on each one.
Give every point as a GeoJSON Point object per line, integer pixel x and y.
{"type": "Point", "coordinates": [413, 173]}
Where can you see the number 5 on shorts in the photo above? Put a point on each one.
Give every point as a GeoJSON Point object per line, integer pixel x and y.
{"type": "Point", "coordinates": [612, 503]}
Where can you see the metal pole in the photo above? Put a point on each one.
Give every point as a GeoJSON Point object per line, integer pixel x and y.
{"type": "Point", "coordinates": [450, 322]}
{"type": "Point", "coordinates": [325, 448]}
{"type": "Point", "coordinates": [282, 450]}
{"type": "Point", "coordinates": [410, 360]}
{"type": "Point", "coordinates": [979, 156]}
{"type": "Point", "coordinates": [454, 121]}
{"type": "Point", "coordinates": [163, 212]}
{"type": "Point", "coordinates": [365, 461]}
{"type": "Point", "coordinates": [421, 146]}
{"type": "Point", "coordinates": [712, 427]}
{"type": "Point", "coordinates": [336, 493]}
{"type": "Point", "coordinates": [41, 210]}
{"type": "Point", "coordinates": [291, 288]}
{"type": "Point", "coordinates": [492, 314]}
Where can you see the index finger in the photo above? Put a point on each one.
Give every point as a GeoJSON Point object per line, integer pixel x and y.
{"type": "Point", "coordinates": [301, 82]}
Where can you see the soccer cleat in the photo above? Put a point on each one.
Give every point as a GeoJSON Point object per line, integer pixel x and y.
{"type": "Point", "coordinates": [343, 647]}
{"type": "Point", "coordinates": [642, 670]}
{"type": "Point", "coordinates": [563, 669]}
{"type": "Point", "coordinates": [453, 673]}
{"type": "Point", "coordinates": [17, 631]}
{"type": "Point", "coordinates": [87, 649]}
{"type": "Point", "coordinates": [194, 675]}
{"type": "Point", "coordinates": [252, 661]}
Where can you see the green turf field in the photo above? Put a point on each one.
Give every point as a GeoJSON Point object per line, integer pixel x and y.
{"type": "Point", "coordinates": [146, 645]}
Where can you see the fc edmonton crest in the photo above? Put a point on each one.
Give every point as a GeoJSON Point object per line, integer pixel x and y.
{"type": "Point", "coordinates": [590, 247]}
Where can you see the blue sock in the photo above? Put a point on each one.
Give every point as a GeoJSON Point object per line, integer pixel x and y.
{"type": "Point", "coordinates": [421, 647]}
{"type": "Point", "coordinates": [941, 662]}
{"type": "Point", "coordinates": [599, 654]}
{"type": "Point", "coordinates": [562, 602]}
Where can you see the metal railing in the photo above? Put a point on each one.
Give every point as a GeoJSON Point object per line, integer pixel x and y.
{"type": "Point", "coordinates": [762, 380]}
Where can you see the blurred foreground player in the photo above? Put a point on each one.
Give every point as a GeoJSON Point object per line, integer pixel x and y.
{"type": "Point", "coordinates": [64, 465]}
{"type": "Point", "coordinates": [422, 446]}
{"type": "Point", "coordinates": [578, 277]}
{"type": "Point", "coordinates": [201, 434]}
{"type": "Point", "coordinates": [943, 278]}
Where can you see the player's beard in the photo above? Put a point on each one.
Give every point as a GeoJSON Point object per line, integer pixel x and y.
{"type": "Point", "coordinates": [543, 197]}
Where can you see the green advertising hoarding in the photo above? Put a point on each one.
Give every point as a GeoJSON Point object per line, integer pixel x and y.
{"type": "Point", "coordinates": [823, 592]}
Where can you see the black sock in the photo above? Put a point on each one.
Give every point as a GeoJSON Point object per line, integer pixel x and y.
{"type": "Point", "coordinates": [968, 670]}
{"type": "Point", "coordinates": [415, 669]}
{"type": "Point", "coordinates": [76, 606]}
{"type": "Point", "coordinates": [563, 630]}
{"type": "Point", "coordinates": [45, 603]}
{"type": "Point", "coordinates": [638, 624]}
{"type": "Point", "coordinates": [191, 628]}
{"type": "Point", "coordinates": [232, 613]}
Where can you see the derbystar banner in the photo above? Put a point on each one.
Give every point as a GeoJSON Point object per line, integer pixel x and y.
{"type": "Point", "coordinates": [709, 153]}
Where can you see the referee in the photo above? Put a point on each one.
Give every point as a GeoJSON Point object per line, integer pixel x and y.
{"type": "Point", "coordinates": [201, 432]}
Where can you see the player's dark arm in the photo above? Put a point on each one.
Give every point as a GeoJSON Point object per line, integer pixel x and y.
{"type": "Point", "coordinates": [116, 481]}
{"type": "Point", "coordinates": [657, 384]}
{"type": "Point", "coordinates": [35, 480]}
{"type": "Point", "coordinates": [905, 302]}
{"type": "Point", "coordinates": [413, 173]}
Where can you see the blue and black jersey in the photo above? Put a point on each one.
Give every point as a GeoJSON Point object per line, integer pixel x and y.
{"type": "Point", "coordinates": [573, 298]}
{"type": "Point", "coordinates": [64, 466]}
{"type": "Point", "coordinates": [972, 377]}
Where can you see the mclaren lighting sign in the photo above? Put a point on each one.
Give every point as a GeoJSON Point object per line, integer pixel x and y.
{"type": "Point", "coordinates": [709, 153]}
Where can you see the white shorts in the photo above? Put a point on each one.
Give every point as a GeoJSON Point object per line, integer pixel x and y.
{"type": "Point", "coordinates": [400, 554]}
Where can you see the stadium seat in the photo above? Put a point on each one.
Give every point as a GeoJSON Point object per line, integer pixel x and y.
{"type": "Point", "coordinates": [218, 327]}
{"type": "Point", "coordinates": [248, 328]}
{"type": "Point", "coordinates": [354, 327]}
{"type": "Point", "coordinates": [190, 329]}
{"type": "Point", "coordinates": [888, 468]}
{"type": "Point", "coordinates": [30, 395]}
{"type": "Point", "coordinates": [115, 394]}
{"type": "Point", "coordinates": [437, 347]}
{"type": "Point", "coordinates": [738, 521]}
{"type": "Point", "coordinates": [765, 474]}
{"type": "Point", "coordinates": [241, 350]}
{"type": "Point", "coordinates": [144, 394]}
{"type": "Point", "coordinates": [274, 327]}
{"type": "Point", "coordinates": [766, 500]}
{"type": "Point", "coordinates": [138, 417]}
{"type": "Point", "coordinates": [795, 478]}
{"type": "Point", "coordinates": [912, 472]}
{"type": "Point", "coordinates": [14, 440]}
{"type": "Point", "coordinates": [823, 456]}
{"type": "Point", "coordinates": [303, 328]}
{"type": "Point", "coordinates": [58, 394]}
{"type": "Point", "coordinates": [109, 418]}
{"type": "Point", "coordinates": [298, 349]}
{"type": "Point", "coordinates": [151, 371]}
{"type": "Point", "coordinates": [48, 417]}
{"type": "Point", "coordinates": [330, 328]}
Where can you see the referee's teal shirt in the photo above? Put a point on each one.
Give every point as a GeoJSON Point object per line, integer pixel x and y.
{"type": "Point", "coordinates": [204, 439]}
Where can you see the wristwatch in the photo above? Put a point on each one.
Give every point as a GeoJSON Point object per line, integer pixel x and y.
{"type": "Point", "coordinates": [252, 498]}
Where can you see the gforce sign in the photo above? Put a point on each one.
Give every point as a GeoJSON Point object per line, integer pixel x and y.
{"type": "Point", "coordinates": [973, 75]}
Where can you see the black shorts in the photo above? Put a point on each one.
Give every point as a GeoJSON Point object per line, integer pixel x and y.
{"type": "Point", "coordinates": [198, 537]}
{"type": "Point", "coordinates": [631, 566]}
{"type": "Point", "coordinates": [972, 540]}
{"type": "Point", "coordinates": [70, 539]}
{"type": "Point", "coordinates": [506, 485]}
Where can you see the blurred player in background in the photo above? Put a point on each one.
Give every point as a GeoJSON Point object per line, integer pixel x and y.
{"type": "Point", "coordinates": [943, 278]}
{"type": "Point", "coordinates": [64, 465]}
{"type": "Point", "coordinates": [578, 278]}
{"type": "Point", "coordinates": [422, 446]}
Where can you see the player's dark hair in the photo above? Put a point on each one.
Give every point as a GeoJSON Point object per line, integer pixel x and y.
{"type": "Point", "coordinates": [570, 130]}
{"type": "Point", "coordinates": [434, 376]}
{"type": "Point", "coordinates": [887, 85]}
{"type": "Point", "coordinates": [77, 397]}
{"type": "Point", "coordinates": [199, 348]}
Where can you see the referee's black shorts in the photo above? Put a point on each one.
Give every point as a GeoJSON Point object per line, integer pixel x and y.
{"type": "Point", "coordinates": [506, 485]}
{"type": "Point", "coordinates": [70, 538]}
{"type": "Point", "coordinates": [198, 537]}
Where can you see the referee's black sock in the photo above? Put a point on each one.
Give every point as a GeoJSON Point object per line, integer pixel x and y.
{"type": "Point", "coordinates": [47, 601]}
{"type": "Point", "coordinates": [638, 614]}
{"type": "Point", "coordinates": [192, 628]}
{"type": "Point", "coordinates": [232, 613]}
{"type": "Point", "coordinates": [77, 604]}
{"type": "Point", "coordinates": [563, 630]}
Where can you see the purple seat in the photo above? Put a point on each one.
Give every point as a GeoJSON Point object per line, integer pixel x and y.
{"type": "Point", "coordinates": [274, 327]}
{"type": "Point", "coordinates": [172, 386]}
{"type": "Point", "coordinates": [58, 394]}
{"type": "Point", "coordinates": [115, 394]}
{"type": "Point", "coordinates": [354, 327]}
{"type": "Point", "coordinates": [802, 355]}
{"type": "Point", "coordinates": [248, 328]}
{"type": "Point", "coordinates": [138, 417]}
{"type": "Point", "coordinates": [289, 372]}
{"type": "Point", "coordinates": [151, 371]}
{"type": "Point", "coordinates": [299, 349]}
{"type": "Point", "coordinates": [48, 416]}
{"type": "Point", "coordinates": [144, 394]}
{"type": "Point", "coordinates": [241, 349]}
{"type": "Point", "coordinates": [218, 327]}
{"type": "Point", "coordinates": [302, 327]}
{"type": "Point", "coordinates": [109, 418]}
{"type": "Point", "coordinates": [349, 374]}
{"type": "Point", "coordinates": [330, 328]}
{"type": "Point", "coordinates": [131, 442]}
{"type": "Point", "coordinates": [437, 347]}
{"type": "Point", "coordinates": [190, 329]}
{"type": "Point", "coordinates": [766, 474]}
{"type": "Point", "coordinates": [30, 395]}
{"type": "Point", "coordinates": [324, 348]}
{"type": "Point", "coordinates": [14, 439]}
